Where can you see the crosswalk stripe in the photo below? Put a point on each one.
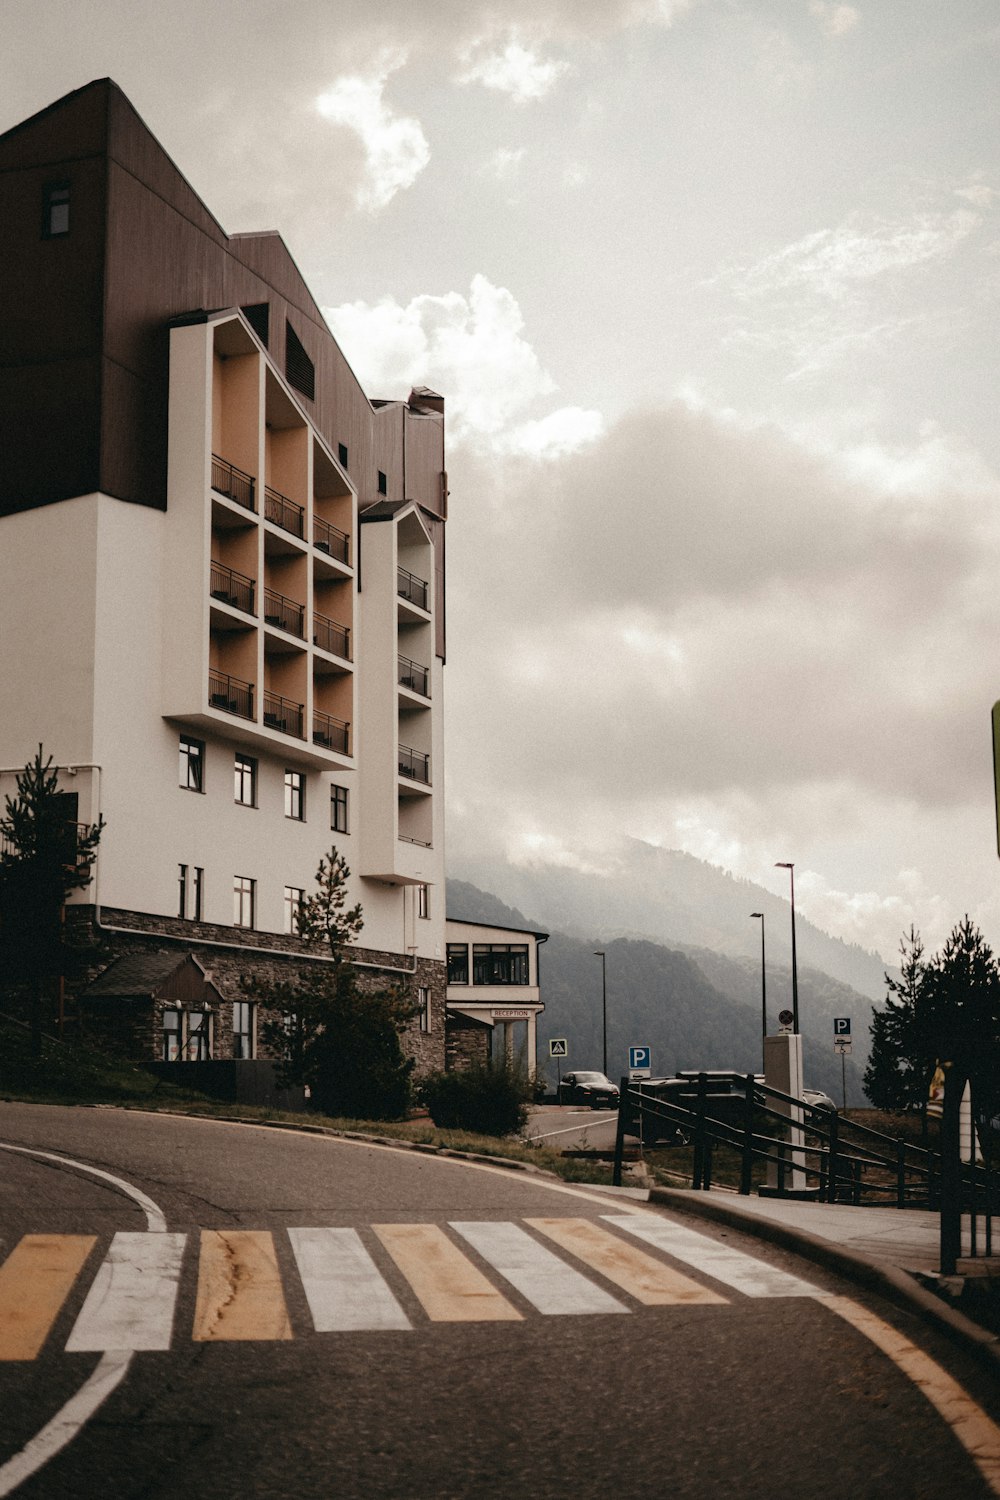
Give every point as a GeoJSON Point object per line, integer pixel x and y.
{"type": "Point", "coordinates": [343, 1286]}
{"type": "Point", "coordinates": [754, 1278]}
{"type": "Point", "coordinates": [649, 1281]}
{"type": "Point", "coordinates": [547, 1282]}
{"type": "Point", "coordinates": [239, 1288]}
{"type": "Point", "coordinates": [446, 1283]}
{"type": "Point", "coordinates": [131, 1302]}
{"type": "Point", "coordinates": [35, 1281]}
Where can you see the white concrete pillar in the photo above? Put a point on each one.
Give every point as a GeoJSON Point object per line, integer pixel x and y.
{"type": "Point", "coordinates": [783, 1071]}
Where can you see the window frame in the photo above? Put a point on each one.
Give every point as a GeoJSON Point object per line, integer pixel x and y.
{"type": "Point", "coordinates": [56, 195]}
{"type": "Point", "coordinates": [340, 806]}
{"type": "Point", "coordinates": [295, 792]}
{"type": "Point", "coordinates": [244, 779]}
{"type": "Point", "coordinates": [192, 764]}
{"type": "Point", "coordinates": [244, 891]}
{"type": "Point", "coordinates": [245, 1034]}
{"type": "Point", "coordinates": [294, 898]}
{"type": "Point", "coordinates": [452, 952]}
{"type": "Point", "coordinates": [488, 965]}
{"type": "Point", "coordinates": [424, 901]}
{"type": "Point", "coordinates": [425, 1013]}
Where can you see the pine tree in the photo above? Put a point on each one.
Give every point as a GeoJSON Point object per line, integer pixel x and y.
{"type": "Point", "coordinates": [893, 1077]}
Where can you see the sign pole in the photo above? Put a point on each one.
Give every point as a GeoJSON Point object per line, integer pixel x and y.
{"type": "Point", "coordinates": [843, 1078]}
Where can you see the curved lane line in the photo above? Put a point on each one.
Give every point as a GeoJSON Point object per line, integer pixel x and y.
{"type": "Point", "coordinates": [111, 1369]}
{"type": "Point", "coordinates": [155, 1221]}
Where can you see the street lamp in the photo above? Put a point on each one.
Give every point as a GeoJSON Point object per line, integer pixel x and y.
{"type": "Point", "coordinates": [599, 953]}
{"type": "Point", "coordinates": [763, 977]}
{"type": "Point", "coordinates": [783, 864]}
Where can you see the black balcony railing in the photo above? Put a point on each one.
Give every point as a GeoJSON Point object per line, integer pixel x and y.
{"type": "Point", "coordinates": [412, 588]}
{"type": "Point", "coordinates": [330, 636]}
{"type": "Point", "coordinates": [284, 512]}
{"type": "Point", "coordinates": [332, 734]}
{"type": "Point", "coordinates": [286, 614]}
{"type": "Point", "coordinates": [282, 713]}
{"type": "Point", "coordinates": [233, 483]}
{"type": "Point", "coordinates": [327, 538]}
{"type": "Point", "coordinates": [410, 674]}
{"type": "Point", "coordinates": [230, 694]}
{"type": "Point", "coordinates": [72, 834]}
{"type": "Point", "coordinates": [415, 764]}
{"type": "Point", "coordinates": [232, 587]}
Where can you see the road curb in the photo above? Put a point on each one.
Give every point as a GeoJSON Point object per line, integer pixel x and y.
{"type": "Point", "coordinates": [891, 1282]}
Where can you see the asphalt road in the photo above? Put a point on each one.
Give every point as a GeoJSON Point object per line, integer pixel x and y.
{"type": "Point", "coordinates": [705, 1374]}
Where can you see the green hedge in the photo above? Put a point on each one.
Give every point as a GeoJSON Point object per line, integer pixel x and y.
{"type": "Point", "coordinates": [490, 1099]}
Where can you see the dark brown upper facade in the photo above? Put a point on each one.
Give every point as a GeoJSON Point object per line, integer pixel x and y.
{"type": "Point", "coordinates": [103, 244]}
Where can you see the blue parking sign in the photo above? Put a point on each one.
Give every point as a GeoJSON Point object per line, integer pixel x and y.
{"type": "Point", "coordinates": [639, 1057]}
{"type": "Point", "coordinates": [841, 1025]}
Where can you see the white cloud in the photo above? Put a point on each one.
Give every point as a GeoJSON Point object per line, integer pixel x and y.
{"type": "Point", "coordinates": [506, 163]}
{"type": "Point", "coordinates": [561, 432]}
{"type": "Point", "coordinates": [514, 69]}
{"type": "Point", "coordinates": [396, 150]}
{"type": "Point", "coordinates": [471, 347]}
{"type": "Point", "coordinates": [836, 20]}
{"type": "Point", "coordinates": [978, 193]}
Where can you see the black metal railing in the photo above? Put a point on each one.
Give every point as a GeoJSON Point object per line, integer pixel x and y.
{"type": "Point", "coordinates": [414, 764]}
{"type": "Point", "coordinates": [232, 482]}
{"type": "Point", "coordinates": [330, 636]}
{"type": "Point", "coordinates": [230, 694]}
{"type": "Point", "coordinates": [405, 838]}
{"type": "Point", "coordinates": [283, 714]}
{"type": "Point", "coordinates": [411, 588]}
{"type": "Point", "coordinates": [331, 733]}
{"type": "Point", "coordinates": [286, 614]}
{"type": "Point", "coordinates": [232, 587]}
{"type": "Point", "coordinates": [73, 833]}
{"type": "Point", "coordinates": [281, 511]}
{"type": "Point", "coordinates": [330, 539]}
{"type": "Point", "coordinates": [410, 674]}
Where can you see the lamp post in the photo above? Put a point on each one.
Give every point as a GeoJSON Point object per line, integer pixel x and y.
{"type": "Point", "coordinates": [783, 864]}
{"type": "Point", "coordinates": [599, 953]}
{"type": "Point", "coordinates": [763, 978]}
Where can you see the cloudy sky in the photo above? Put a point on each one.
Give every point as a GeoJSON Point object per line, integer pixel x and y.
{"type": "Point", "coordinates": [711, 289]}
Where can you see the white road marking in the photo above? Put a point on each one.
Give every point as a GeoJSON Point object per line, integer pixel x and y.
{"type": "Point", "coordinates": [66, 1423]}
{"type": "Point", "coordinates": [155, 1222]}
{"type": "Point", "coordinates": [548, 1283]}
{"type": "Point", "coordinates": [746, 1274]}
{"type": "Point", "coordinates": [131, 1303]}
{"type": "Point", "coordinates": [343, 1286]}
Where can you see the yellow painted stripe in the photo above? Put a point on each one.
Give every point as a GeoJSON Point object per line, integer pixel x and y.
{"type": "Point", "coordinates": [978, 1433]}
{"type": "Point", "coordinates": [649, 1281]}
{"type": "Point", "coordinates": [239, 1287]}
{"type": "Point", "coordinates": [448, 1286]}
{"type": "Point", "coordinates": [35, 1281]}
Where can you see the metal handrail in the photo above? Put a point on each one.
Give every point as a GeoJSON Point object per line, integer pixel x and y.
{"type": "Point", "coordinates": [281, 511]}
{"type": "Point", "coordinates": [231, 694]}
{"type": "Point", "coordinates": [415, 764]}
{"type": "Point", "coordinates": [283, 714]}
{"type": "Point", "coordinates": [410, 674]}
{"type": "Point", "coordinates": [411, 588]}
{"type": "Point", "coordinates": [234, 483]}
{"type": "Point", "coordinates": [286, 614]}
{"type": "Point", "coordinates": [330, 636]}
{"type": "Point", "coordinates": [230, 587]}
{"type": "Point", "coordinates": [331, 733]}
{"type": "Point", "coordinates": [331, 539]}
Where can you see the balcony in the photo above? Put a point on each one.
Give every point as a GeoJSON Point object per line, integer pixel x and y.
{"type": "Point", "coordinates": [284, 715]}
{"type": "Point", "coordinates": [410, 674]}
{"type": "Point", "coordinates": [284, 613]}
{"type": "Point", "coordinates": [330, 636]}
{"type": "Point", "coordinates": [230, 481]}
{"type": "Point", "coordinates": [411, 588]}
{"type": "Point", "coordinates": [281, 511]}
{"type": "Point", "coordinates": [232, 588]}
{"type": "Point", "coordinates": [328, 539]}
{"type": "Point", "coordinates": [230, 694]}
{"type": "Point", "coordinates": [330, 733]}
{"type": "Point", "coordinates": [414, 764]}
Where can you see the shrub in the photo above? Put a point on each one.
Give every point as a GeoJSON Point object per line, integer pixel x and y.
{"type": "Point", "coordinates": [490, 1099]}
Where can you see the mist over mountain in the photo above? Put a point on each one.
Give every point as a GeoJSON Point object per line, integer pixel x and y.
{"type": "Point", "coordinates": [673, 898]}
{"type": "Point", "coordinates": [694, 1007]}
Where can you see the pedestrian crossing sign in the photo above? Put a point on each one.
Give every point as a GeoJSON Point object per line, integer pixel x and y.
{"type": "Point", "coordinates": [558, 1047]}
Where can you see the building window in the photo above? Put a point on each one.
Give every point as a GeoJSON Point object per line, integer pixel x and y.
{"type": "Point", "coordinates": [244, 1029]}
{"type": "Point", "coordinates": [342, 454]}
{"type": "Point", "coordinates": [182, 895]}
{"type": "Point", "coordinates": [499, 963]}
{"type": "Point", "coordinates": [295, 795]}
{"type": "Point", "coordinates": [171, 1035]}
{"type": "Point", "coordinates": [196, 886]}
{"type": "Point", "coordinates": [424, 1008]}
{"type": "Point", "coordinates": [458, 963]}
{"type": "Point", "coordinates": [198, 1046]}
{"type": "Point", "coordinates": [55, 210]}
{"type": "Point", "coordinates": [298, 366]}
{"type": "Point", "coordinates": [245, 781]}
{"type": "Point", "coordinates": [244, 901]}
{"type": "Point", "coordinates": [258, 315]}
{"type": "Point", "coordinates": [192, 764]}
{"type": "Point", "coordinates": [294, 897]}
{"type": "Point", "coordinates": [383, 483]}
{"type": "Point", "coordinates": [423, 900]}
{"type": "Point", "coordinates": [338, 809]}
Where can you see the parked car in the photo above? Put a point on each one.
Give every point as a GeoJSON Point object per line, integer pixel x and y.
{"type": "Point", "coordinates": [818, 1100]}
{"type": "Point", "coordinates": [594, 1089]}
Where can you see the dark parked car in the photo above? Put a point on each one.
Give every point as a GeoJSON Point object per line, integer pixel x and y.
{"type": "Point", "coordinates": [588, 1088]}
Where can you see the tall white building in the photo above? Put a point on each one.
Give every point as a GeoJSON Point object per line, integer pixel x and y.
{"type": "Point", "coordinates": [221, 583]}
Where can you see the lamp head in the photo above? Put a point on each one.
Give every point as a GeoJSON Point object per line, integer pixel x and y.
{"type": "Point", "coordinates": [758, 914]}
{"type": "Point", "coordinates": [784, 864]}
